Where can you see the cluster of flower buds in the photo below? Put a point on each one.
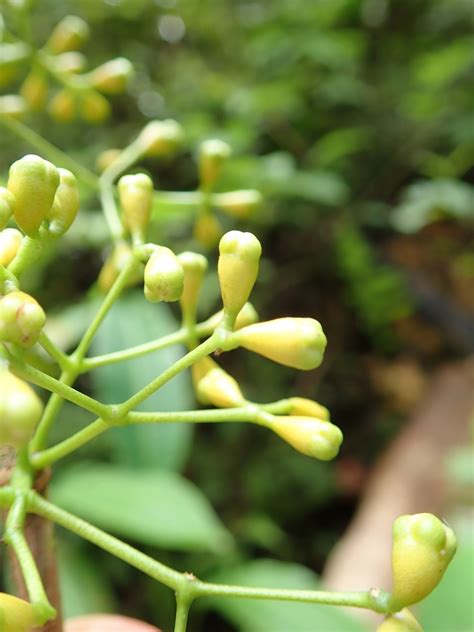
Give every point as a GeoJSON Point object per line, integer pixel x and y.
{"type": "Point", "coordinates": [20, 413]}
{"type": "Point", "coordinates": [79, 93]}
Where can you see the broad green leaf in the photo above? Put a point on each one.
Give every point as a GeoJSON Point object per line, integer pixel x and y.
{"type": "Point", "coordinates": [251, 615]}
{"type": "Point", "coordinates": [133, 321]}
{"type": "Point", "coordinates": [153, 507]}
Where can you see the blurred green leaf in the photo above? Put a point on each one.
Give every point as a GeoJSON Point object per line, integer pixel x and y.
{"type": "Point", "coordinates": [157, 508]}
{"type": "Point", "coordinates": [251, 615]}
{"type": "Point", "coordinates": [133, 321]}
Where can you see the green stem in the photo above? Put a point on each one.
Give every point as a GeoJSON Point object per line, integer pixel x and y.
{"type": "Point", "coordinates": [29, 252]}
{"type": "Point", "coordinates": [183, 603]}
{"type": "Point", "coordinates": [53, 350]}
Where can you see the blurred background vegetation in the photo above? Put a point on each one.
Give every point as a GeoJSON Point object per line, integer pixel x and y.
{"type": "Point", "coordinates": [354, 118]}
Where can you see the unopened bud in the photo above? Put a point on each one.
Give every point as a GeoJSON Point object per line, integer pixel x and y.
{"type": "Point", "coordinates": [69, 34]}
{"type": "Point", "coordinates": [33, 182]}
{"type": "Point", "coordinates": [247, 316]}
{"type": "Point", "coordinates": [71, 62]}
{"type": "Point", "coordinates": [295, 342]}
{"type": "Point", "coordinates": [164, 276]}
{"type": "Point", "coordinates": [10, 242]}
{"type": "Point", "coordinates": [207, 230]}
{"type": "Point", "coordinates": [423, 546]}
{"type": "Point", "coordinates": [136, 199]}
{"type": "Point", "coordinates": [301, 406]}
{"type": "Point", "coordinates": [34, 89]}
{"type": "Point", "coordinates": [314, 437]}
{"type": "Point", "coordinates": [7, 205]}
{"type": "Point", "coordinates": [106, 158]}
{"type": "Point", "coordinates": [402, 621]}
{"type": "Point", "coordinates": [12, 56]}
{"type": "Point", "coordinates": [161, 138]}
{"type": "Point", "coordinates": [239, 256]}
{"type": "Point", "coordinates": [113, 76]}
{"type": "Point", "coordinates": [201, 368]}
{"type": "Point", "coordinates": [21, 319]}
{"type": "Point", "coordinates": [62, 106]}
{"type": "Point", "coordinates": [13, 106]}
{"type": "Point", "coordinates": [65, 206]}
{"type": "Point", "coordinates": [93, 107]}
{"type": "Point", "coordinates": [194, 268]}
{"type": "Point", "coordinates": [16, 615]}
{"type": "Point", "coordinates": [114, 264]}
{"type": "Point", "coordinates": [220, 389]}
{"type": "Point", "coordinates": [239, 204]}
{"type": "Point", "coordinates": [212, 156]}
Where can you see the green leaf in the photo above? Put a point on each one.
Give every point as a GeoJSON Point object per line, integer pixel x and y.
{"type": "Point", "coordinates": [133, 321]}
{"type": "Point", "coordinates": [251, 615]}
{"type": "Point", "coordinates": [153, 507]}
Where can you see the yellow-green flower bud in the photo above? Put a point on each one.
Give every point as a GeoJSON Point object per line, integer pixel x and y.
{"type": "Point", "coordinates": [12, 56]}
{"type": "Point", "coordinates": [295, 342]}
{"type": "Point", "coordinates": [62, 106]}
{"type": "Point", "coordinates": [69, 34]}
{"type": "Point", "coordinates": [301, 406]}
{"type": "Point", "coordinates": [194, 268]}
{"type": "Point", "coordinates": [33, 182]}
{"type": "Point", "coordinates": [93, 107]}
{"type": "Point", "coordinates": [13, 106]}
{"type": "Point", "coordinates": [21, 319]}
{"type": "Point", "coordinates": [106, 158]}
{"type": "Point", "coordinates": [71, 62]}
{"type": "Point", "coordinates": [20, 412]}
{"type": "Point", "coordinates": [239, 204]}
{"type": "Point", "coordinates": [239, 256]}
{"type": "Point", "coordinates": [207, 230]}
{"type": "Point", "coordinates": [201, 368]}
{"type": "Point", "coordinates": [220, 389]}
{"type": "Point", "coordinates": [10, 242]}
{"type": "Point", "coordinates": [113, 76]}
{"type": "Point", "coordinates": [34, 89]}
{"type": "Point", "coordinates": [16, 615]}
{"type": "Point", "coordinates": [136, 199]}
{"type": "Point", "coordinates": [247, 316]}
{"type": "Point", "coordinates": [422, 548]}
{"type": "Point", "coordinates": [212, 156]}
{"type": "Point", "coordinates": [65, 206]}
{"type": "Point", "coordinates": [161, 138]}
{"type": "Point", "coordinates": [164, 276]}
{"type": "Point", "coordinates": [402, 621]}
{"type": "Point", "coordinates": [7, 205]}
{"type": "Point", "coordinates": [114, 264]}
{"type": "Point", "coordinates": [314, 437]}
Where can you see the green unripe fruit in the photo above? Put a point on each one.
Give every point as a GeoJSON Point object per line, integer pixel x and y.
{"type": "Point", "coordinates": [164, 276]}
{"type": "Point", "coordinates": [423, 546]}
{"type": "Point", "coordinates": [313, 437]}
{"type": "Point", "coordinates": [62, 106]}
{"type": "Point", "coordinates": [7, 206]}
{"type": "Point", "coordinates": [219, 389]}
{"type": "Point", "coordinates": [239, 204]}
{"type": "Point", "coordinates": [301, 406]}
{"type": "Point", "coordinates": [10, 242]}
{"type": "Point", "coordinates": [13, 106]}
{"type": "Point", "coordinates": [212, 156]}
{"type": "Point", "coordinates": [33, 182]}
{"type": "Point", "coordinates": [194, 268]}
{"type": "Point", "coordinates": [94, 108]}
{"type": "Point", "coordinates": [35, 89]}
{"type": "Point", "coordinates": [69, 34]}
{"type": "Point", "coordinates": [113, 76]}
{"type": "Point", "coordinates": [21, 319]}
{"type": "Point", "coordinates": [65, 206]}
{"type": "Point", "coordinates": [295, 342]}
{"type": "Point", "coordinates": [239, 256]}
{"type": "Point", "coordinates": [136, 199]}
{"type": "Point", "coordinates": [20, 413]}
{"type": "Point", "coordinates": [16, 615]}
{"type": "Point", "coordinates": [402, 621]}
{"type": "Point", "coordinates": [161, 138]}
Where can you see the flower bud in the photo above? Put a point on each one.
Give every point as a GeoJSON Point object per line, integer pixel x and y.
{"type": "Point", "coordinates": [164, 276]}
{"type": "Point", "coordinates": [106, 158]}
{"type": "Point", "coordinates": [12, 57]}
{"type": "Point", "coordinates": [13, 106]}
{"type": "Point", "coordinates": [201, 368]}
{"type": "Point", "coordinates": [7, 205]}
{"type": "Point", "coordinates": [207, 230]}
{"type": "Point", "coordinates": [295, 342]}
{"type": "Point", "coordinates": [10, 242]}
{"type": "Point", "coordinates": [34, 89]}
{"type": "Point", "coordinates": [136, 199]}
{"type": "Point", "coordinates": [314, 437]}
{"type": "Point", "coordinates": [113, 76]}
{"type": "Point", "coordinates": [239, 256]}
{"type": "Point", "coordinates": [93, 107]}
{"type": "Point", "coordinates": [402, 621]}
{"type": "Point", "coordinates": [161, 138]}
{"type": "Point", "coordinates": [194, 268]}
{"type": "Point", "coordinates": [21, 319]}
{"type": "Point", "coordinates": [16, 615]}
{"type": "Point", "coordinates": [218, 388]}
{"type": "Point", "coordinates": [114, 264]}
{"type": "Point", "coordinates": [69, 34]}
{"type": "Point", "coordinates": [247, 316]}
{"type": "Point", "coordinates": [33, 181]}
{"type": "Point", "coordinates": [301, 406]}
{"type": "Point", "coordinates": [239, 204]}
{"type": "Point", "coordinates": [62, 106]}
{"type": "Point", "coordinates": [422, 548]}
{"type": "Point", "coordinates": [71, 62]}
{"type": "Point", "coordinates": [212, 156]}
{"type": "Point", "coordinates": [65, 206]}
